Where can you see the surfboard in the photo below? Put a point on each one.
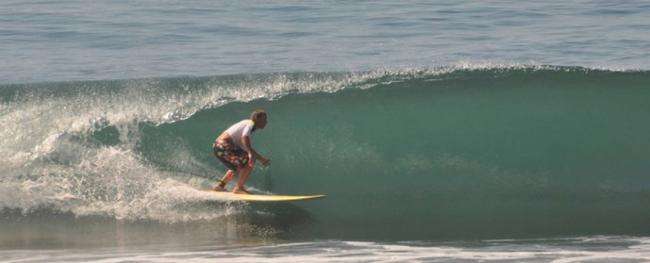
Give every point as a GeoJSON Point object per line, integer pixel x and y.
{"type": "Point", "coordinates": [265, 198]}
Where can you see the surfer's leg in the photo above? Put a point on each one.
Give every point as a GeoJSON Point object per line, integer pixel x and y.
{"type": "Point", "coordinates": [244, 172]}
{"type": "Point", "coordinates": [224, 154]}
{"type": "Point", "coordinates": [224, 181]}
{"type": "Point", "coordinates": [226, 178]}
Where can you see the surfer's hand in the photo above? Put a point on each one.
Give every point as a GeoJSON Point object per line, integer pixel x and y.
{"type": "Point", "coordinates": [251, 160]}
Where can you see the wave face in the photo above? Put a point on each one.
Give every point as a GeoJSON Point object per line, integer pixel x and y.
{"type": "Point", "coordinates": [476, 151]}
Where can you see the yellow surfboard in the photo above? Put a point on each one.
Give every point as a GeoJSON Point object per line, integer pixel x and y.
{"type": "Point", "coordinates": [264, 198]}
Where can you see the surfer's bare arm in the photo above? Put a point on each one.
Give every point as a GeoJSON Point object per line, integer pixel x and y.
{"type": "Point", "coordinates": [252, 154]}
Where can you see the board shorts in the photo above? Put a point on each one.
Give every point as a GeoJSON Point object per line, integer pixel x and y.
{"type": "Point", "coordinates": [230, 155]}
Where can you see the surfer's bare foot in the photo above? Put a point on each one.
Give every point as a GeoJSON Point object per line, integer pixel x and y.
{"type": "Point", "coordinates": [240, 190]}
{"type": "Point", "coordinates": [219, 188]}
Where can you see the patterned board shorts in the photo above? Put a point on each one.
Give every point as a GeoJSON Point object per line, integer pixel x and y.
{"type": "Point", "coordinates": [230, 155]}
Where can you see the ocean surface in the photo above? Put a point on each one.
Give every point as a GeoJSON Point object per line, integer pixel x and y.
{"type": "Point", "coordinates": [443, 131]}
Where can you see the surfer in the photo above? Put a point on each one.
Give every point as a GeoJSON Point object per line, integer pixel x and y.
{"type": "Point", "coordinates": [233, 149]}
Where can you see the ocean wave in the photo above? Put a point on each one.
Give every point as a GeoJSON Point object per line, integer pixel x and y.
{"type": "Point", "coordinates": [495, 139]}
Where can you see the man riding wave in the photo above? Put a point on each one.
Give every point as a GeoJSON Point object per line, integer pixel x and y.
{"type": "Point", "coordinates": [233, 148]}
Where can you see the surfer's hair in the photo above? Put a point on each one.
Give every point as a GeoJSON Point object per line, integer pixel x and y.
{"type": "Point", "coordinates": [257, 114]}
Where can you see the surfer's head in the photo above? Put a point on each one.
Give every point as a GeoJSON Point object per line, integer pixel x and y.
{"type": "Point", "coordinates": [259, 118]}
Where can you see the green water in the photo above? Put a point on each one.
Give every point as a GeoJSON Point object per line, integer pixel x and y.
{"type": "Point", "coordinates": [471, 153]}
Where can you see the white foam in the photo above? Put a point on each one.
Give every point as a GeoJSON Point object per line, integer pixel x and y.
{"type": "Point", "coordinates": [352, 251]}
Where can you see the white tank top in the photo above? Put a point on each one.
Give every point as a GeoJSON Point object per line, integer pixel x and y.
{"type": "Point", "coordinates": [238, 130]}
